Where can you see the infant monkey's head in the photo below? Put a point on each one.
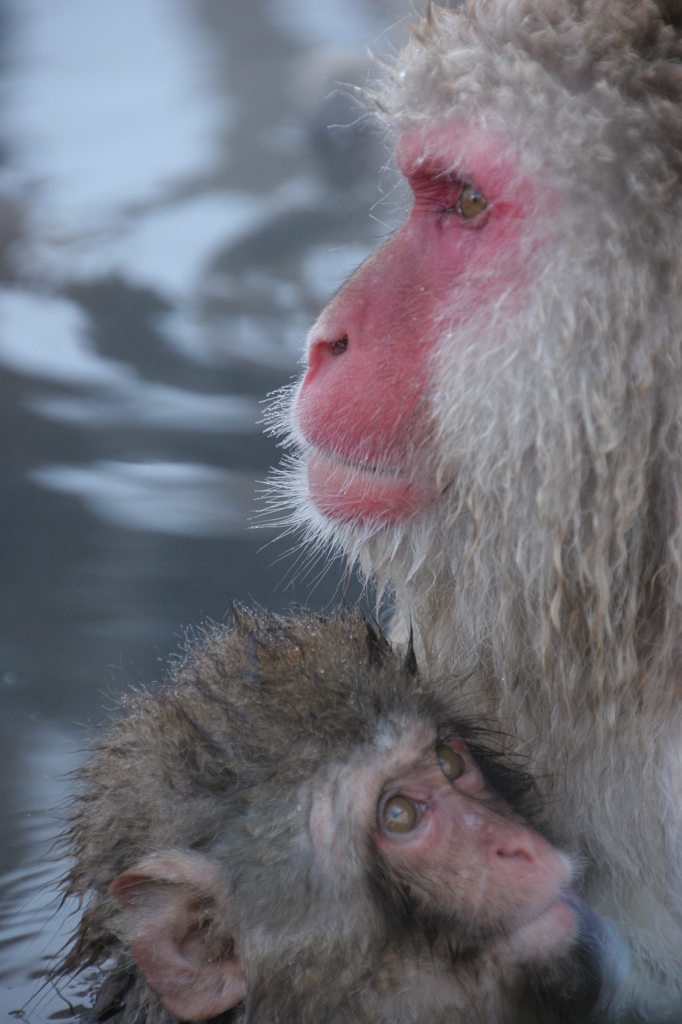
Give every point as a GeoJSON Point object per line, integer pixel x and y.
{"type": "Point", "coordinates": [297, 818]}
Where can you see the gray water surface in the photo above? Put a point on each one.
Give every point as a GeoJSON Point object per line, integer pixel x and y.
{"type": "Point", "coordinates": [174, 210]}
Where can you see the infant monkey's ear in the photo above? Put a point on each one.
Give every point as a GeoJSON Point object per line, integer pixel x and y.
{"type": "Point", "coordinates": [174, 913]}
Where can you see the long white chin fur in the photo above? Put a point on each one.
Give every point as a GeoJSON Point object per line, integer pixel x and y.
{"type": "Point", "coordinates": [317, 539]}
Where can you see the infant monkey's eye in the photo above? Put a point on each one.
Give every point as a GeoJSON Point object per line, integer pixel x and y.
{"type": "Point", "coordinates": [451, 764]}
{"type": "Point", "coordinates": [470, 202]}
{"type": "Point", "coordinates": [399, 814]}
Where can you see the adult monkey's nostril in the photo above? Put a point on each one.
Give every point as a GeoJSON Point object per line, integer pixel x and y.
{"type": "Point", "coordinates": [321, 351]}
{"type": "Point", "coordinates": [337, 348]}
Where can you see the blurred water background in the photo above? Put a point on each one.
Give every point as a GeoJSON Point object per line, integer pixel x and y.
{"type": "Point", "coordinates": [182, 186]}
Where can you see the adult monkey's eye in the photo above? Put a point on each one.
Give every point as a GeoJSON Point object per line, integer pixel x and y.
{"type": "Point", "coordinates": [470, 202]}
{"type": "Point", "coordinates": [399, 814]}
{"type": "Point", "coordinates": [451, 764]}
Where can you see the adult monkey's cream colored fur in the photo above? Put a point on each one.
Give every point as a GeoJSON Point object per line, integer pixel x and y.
{"type": "Point", "coordinates": [553, 557]}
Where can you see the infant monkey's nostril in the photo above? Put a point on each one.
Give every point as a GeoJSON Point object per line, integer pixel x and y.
{"type": "Point", "coordinates": [337, 348]}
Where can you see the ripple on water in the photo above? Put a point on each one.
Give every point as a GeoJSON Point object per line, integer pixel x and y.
{"type": "Point", "coordinates": [34, 924]}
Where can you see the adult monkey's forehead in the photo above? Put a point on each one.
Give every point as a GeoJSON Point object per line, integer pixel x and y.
{"type": "Point", "coordinates": [574, 88]}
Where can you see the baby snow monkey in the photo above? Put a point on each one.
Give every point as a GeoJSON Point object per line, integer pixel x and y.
{"type": "Point", "coordinates": [297, 828]}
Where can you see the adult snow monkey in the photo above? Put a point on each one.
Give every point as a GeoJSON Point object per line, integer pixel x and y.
{"type": "Point", "coordinates": [490, 417]}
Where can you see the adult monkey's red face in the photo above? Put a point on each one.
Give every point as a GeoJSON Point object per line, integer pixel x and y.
{"type": "Point", "coordinates": [364, 405]}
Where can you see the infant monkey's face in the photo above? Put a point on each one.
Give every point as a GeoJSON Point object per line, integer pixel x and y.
{"type": "Point", "coordinates": [400, 871]}
{"type": "Point", "coordinates": [416, 812]}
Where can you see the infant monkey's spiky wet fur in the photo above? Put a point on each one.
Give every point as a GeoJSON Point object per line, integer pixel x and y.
{"type": "Point", "coordinates": [219, 760]}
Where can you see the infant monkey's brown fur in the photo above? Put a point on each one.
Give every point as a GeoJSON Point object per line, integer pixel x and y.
{"type": "Point", "coordinates": [243, 810]}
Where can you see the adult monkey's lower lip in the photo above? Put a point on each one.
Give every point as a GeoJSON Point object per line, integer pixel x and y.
{"type": "Point", "coordinates": [351, 492]}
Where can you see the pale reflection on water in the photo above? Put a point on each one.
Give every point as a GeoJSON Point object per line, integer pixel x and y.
{"type": "Point", "coordinates": [174, 209]}
{"type": "Point", "coordinates": [33, 923]}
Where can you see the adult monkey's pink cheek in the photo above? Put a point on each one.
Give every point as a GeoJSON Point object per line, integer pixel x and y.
{"type": "Point", "coordinates": [364, 412]}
